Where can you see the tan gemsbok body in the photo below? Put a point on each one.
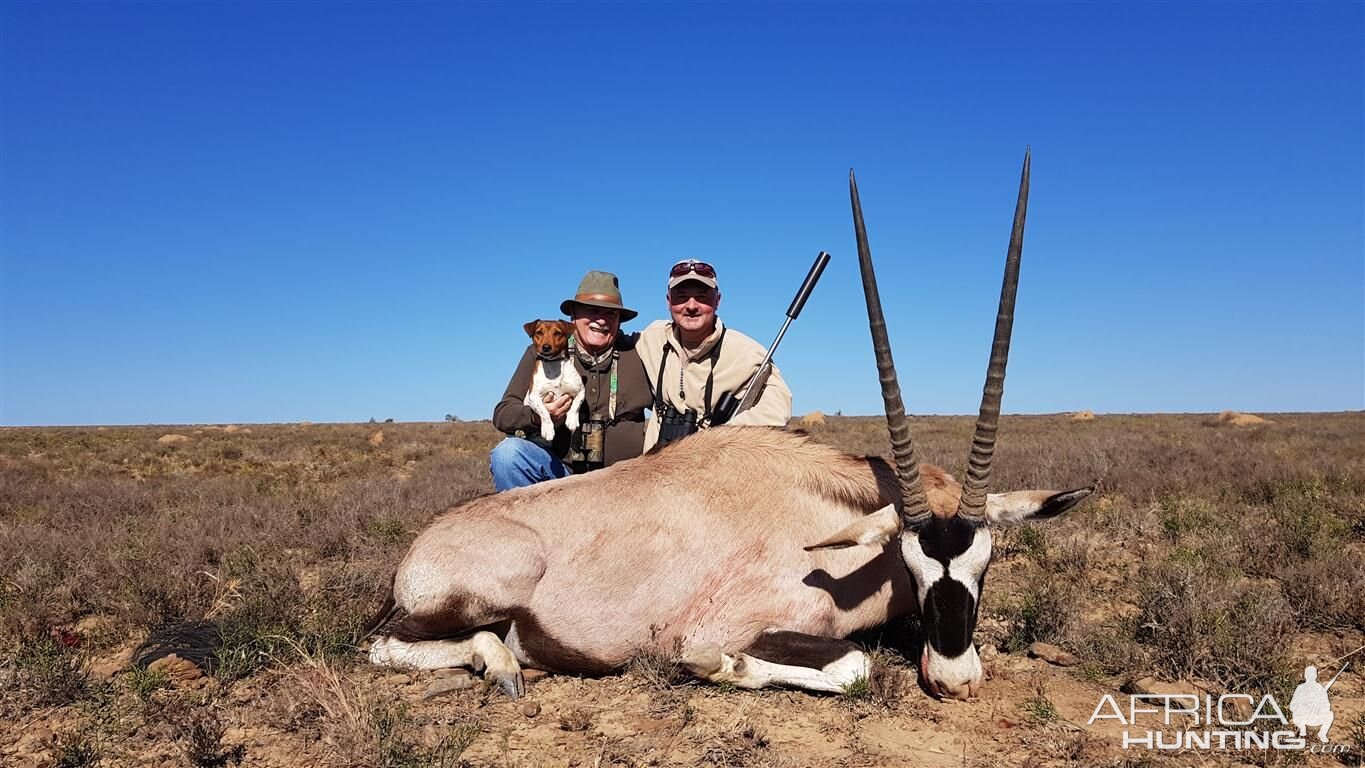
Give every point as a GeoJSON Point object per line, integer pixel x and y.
{"type": "Point", "coordinates": [706, 548]}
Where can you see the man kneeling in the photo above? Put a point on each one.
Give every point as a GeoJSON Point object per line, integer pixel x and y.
{"type": "Point", "coordinates": [616, 390]}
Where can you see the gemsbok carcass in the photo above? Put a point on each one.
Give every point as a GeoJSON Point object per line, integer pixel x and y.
{"type": "Point", "coordinates": [706, 548]}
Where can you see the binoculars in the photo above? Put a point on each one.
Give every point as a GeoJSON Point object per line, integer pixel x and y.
{"type": "Point", "coordinates": [588, 444]}
{"type": "Point", "coordinates": [675, 424]}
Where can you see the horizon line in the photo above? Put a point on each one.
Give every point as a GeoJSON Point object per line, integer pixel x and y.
{"type": "Point", "coordinates": [795, 416]}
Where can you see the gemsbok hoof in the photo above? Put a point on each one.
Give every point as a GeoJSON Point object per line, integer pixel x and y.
{"type": "Point", "coordinates": [512, 684]}
{"type": "Point", "coordinates": [703, 661]}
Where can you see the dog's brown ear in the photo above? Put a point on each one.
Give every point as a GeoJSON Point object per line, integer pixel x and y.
{"type": "Point", "coordinates": [530, 328]}
{"type": "Point", "coordinates": [567, 327]}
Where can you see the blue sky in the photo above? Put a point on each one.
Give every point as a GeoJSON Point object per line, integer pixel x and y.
{"type": "Point", "coordinates": [331, 212]}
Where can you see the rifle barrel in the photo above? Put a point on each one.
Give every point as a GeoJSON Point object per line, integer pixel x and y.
{"type": "Point", "coordinates": [768, 356]}
{"type": "Point", "coordinates": [808, 285]}
{"type": "Point", "coordinates": [760, 377]}
{"type": "Point", "coordinates": [1338, 674]}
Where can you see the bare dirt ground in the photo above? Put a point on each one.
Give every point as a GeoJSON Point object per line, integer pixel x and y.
{"type": "Point", "coordinates": [1212, 558]}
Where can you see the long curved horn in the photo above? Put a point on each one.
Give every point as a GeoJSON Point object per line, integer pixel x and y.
{"type": "Point", "coordinates": [914, 504]}
{"type": "Point", "coordinates": [973, 501]}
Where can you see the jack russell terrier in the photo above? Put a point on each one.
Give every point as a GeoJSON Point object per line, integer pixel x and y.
{"type": "Point", "coordinates": [554, 375]}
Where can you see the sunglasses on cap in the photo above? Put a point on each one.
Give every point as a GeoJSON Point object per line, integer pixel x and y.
{"type": "Point", "coordinates": [689, 266]}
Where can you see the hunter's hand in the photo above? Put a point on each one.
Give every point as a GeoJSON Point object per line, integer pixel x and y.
{"type": "Point", "coordinates": [558, 408]}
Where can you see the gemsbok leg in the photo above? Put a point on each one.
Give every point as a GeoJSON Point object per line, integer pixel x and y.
{"type": "Point", "coordinates": [481, 651]}
{"type": "Point", "coordinates": [449, 597]}
{"type": "Point", "coordinates": [780, 657]}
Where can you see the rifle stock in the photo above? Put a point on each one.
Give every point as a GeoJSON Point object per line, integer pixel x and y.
{"type": "Point", "coordinates": [756, 385]}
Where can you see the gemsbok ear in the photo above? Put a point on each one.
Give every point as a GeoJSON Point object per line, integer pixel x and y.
{"type": "Point", "coordinates": [877, 528]}
{"type": "Point", "coordinates": [1019, 506]}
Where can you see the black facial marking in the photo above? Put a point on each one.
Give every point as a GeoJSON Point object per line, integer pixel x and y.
{"type": "Point", "coordinates": [949, 611]}
{"type": "Point", "coordinates": [944, 538]}
{"type": "Point", "coordinates": [949, 617]}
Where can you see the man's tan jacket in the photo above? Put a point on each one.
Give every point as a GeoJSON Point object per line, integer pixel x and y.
{"type": "Point", "coordinates": [739, 359]}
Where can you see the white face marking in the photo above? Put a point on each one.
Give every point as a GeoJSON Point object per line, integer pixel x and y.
{"type": "Point", "coordinates": [924, 568]}
{"type": "Point", "coordinates": [952, 675]}
{"type": "Point", "coordinates": [966, 568]}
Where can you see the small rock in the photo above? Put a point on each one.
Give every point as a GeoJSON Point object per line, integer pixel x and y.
{"type": "Point", "coordinates": [988, 652]}
{"type": "Point", "coordinates": [1151, 685]}
{"type": "Point", "coordinates": [990, 623]}
{"type": "Point", "coordinates": [1135, 687]}
{"type": "Point", "coordinates": [105, 667]}
{"type": "Point", "coordinates": [180, 671]}
{"type": "Point", "coordinates": [532, 675]}
{"type": "Point", "coordinates": [398, 679]}
{"type": "Point", "coordinates": [446, 685]}
{"type": "Point", "coordinates": [172, 439]}
{"type": "Point", "coordinates": [1213, 689]}
{"type": "Point", "coordinates": [1052, 654]}
{"type": "Point", "coordinates": [530, 709]}
{"type": "Point", "coordinates": [106, 670]}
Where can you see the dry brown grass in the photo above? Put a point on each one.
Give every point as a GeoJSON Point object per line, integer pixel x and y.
{"type": "Point", "coordinates": [741, 745]}
{"type": "Point", "coordinates": [1201, 551]}
{"type": "Point", "coordinates": [576, 719]}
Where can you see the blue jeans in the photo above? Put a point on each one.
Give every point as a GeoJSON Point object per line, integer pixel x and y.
{"type": "Point", "coordinates": [516, 463]}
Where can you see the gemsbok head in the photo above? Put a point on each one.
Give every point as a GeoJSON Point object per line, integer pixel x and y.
{"type": "Point", "coordinates": [945, 542]}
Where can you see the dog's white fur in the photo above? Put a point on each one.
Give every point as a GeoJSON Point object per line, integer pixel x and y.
{"type": "Point", "coordinates": [555, 377]}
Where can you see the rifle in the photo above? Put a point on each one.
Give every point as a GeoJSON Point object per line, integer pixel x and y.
{"type": "Point", "coordinates": [1328, 687]}
{"type": "Point", "coordinates": [727, 407]}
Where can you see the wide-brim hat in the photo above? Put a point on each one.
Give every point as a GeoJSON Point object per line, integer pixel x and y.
{"type": "Point", "coordinates": [598, 289]}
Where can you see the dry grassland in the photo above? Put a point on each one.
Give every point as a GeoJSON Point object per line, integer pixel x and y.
{"type": "Point", "coordinates": [1220, 556]}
